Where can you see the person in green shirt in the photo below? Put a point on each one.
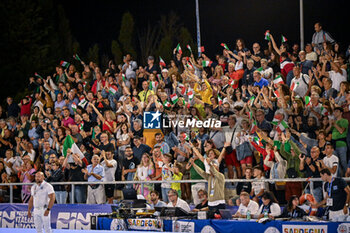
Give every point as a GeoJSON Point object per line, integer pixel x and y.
{"type": "Point", "coordinates": [339, 128]}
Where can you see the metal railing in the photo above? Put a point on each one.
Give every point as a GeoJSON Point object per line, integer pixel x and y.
{"type": "Point", "coordinates": [72, 184]}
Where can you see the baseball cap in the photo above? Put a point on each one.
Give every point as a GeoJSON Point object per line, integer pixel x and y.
{"type": "Point", "coordinates": [165, 70]}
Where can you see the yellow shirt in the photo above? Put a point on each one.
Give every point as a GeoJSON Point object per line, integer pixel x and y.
{"type": "Point", "coordinates": [207, 94]}
{"type": "Point", "coordinates": [177, 186]}
{"type": "Point", "coordinates": [143, 95]}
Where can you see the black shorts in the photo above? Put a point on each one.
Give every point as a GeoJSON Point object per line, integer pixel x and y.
{"type": "Point", "coordinates": [109, 189]}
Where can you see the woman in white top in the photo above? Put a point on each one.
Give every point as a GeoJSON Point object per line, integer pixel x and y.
{"type": "Point", "coordinates": [145, 172]}
{"type": "Point", "coordinates": [269, 208]}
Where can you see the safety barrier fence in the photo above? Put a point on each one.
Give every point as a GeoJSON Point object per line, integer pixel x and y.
{"type": "Point", "coordinates": [72, 184]}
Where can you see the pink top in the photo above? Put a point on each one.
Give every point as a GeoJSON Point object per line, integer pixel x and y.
{"type": "Point", "coordinates": [68, 121]}
{"type": "Point", "coordinates": [26, 188]}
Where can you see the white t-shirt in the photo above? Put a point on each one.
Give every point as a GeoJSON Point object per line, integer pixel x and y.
{"type": "Point", "coordinates": [180, 203]}
{"type": "Point", "coordinates": [41, 194]}
{"type": "Point", "coordinates": [16, 162]}
{"type": "Point", "coordinates": [337, 78]}
{"type": "Point", "coordinates": [266, 73]}
{"type": "Point", "coordinates": [331, 162]}
{"type": "Point", "coordinates": [109, 171]}
{"type": "Point", "coordinates": [253, 207]}
{"type": "Point", "coordinates": [275, 209]}
{"type": "Point", "coordinates": [301, 86]}
{"type": "Point", "coordinates": [258, 186]}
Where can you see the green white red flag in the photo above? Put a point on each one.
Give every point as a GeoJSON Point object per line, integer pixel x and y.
{"type": "Point", "coordinates": [161, 62]}
{"type": "Point", "coordinates": [178, 48]}
{"type": "Point", "coordinates": [65, 64]}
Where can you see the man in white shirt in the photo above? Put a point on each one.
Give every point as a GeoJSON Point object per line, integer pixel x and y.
{"type": "Point", "coordinates": [300, 82]}
{"type": "Point", "coordinates": [246, 205]}
{"type": "Point", "coordinates": [331, 162]}
{"type": "Point", "coordinates": [42, 198]}
{"type": "Point", "coordinates": [110, 166]}
{"type": "Point", "coordinates": [267, 72]}
{"type": "Point", "coordinates": [175, 201]}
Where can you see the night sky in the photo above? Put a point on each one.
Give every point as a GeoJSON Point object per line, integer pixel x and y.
{"type": "Point", "coordinates": [221, 21]}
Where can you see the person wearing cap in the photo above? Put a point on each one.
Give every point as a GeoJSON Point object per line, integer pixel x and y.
{"type": "Point", "coordinates": [339, 129]}
{"type": "Point", "coordinates": [151, 67]}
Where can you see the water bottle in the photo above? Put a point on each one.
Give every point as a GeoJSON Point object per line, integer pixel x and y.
{"type": "Point", "coordinates": [265, 214]}
{"type": "Point", "coordinates": [248, 215]}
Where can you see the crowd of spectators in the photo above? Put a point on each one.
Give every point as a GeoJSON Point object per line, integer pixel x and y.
{"type": "Point", "coordinates": [284, 113]}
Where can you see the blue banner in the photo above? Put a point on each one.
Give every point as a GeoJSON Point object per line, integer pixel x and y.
{"type": "Point", "coordinates": [69, 216]}
{"type": "Point", "coordinates": [243, 226]}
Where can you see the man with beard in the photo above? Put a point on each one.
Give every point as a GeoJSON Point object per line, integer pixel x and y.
{"type": "Point", "coordinates": [42, 198]}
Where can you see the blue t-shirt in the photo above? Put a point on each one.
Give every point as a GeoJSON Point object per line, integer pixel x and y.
{"type": "Point", "coordinates": [262, 83]}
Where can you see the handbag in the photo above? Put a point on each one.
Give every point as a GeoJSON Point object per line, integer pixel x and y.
{"type": "Point", "coordinates": [243, 150]}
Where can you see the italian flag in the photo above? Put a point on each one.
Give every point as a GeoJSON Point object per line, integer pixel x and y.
{"type": "Point", "coordinates": [190, 95]}
{"type": "Point", "coordinates": [324, 111]}
{"type": "Point", "coordinates": [82, 102]}
{"type": "Point", "coordinates": [81, 127]}
{"type": "Point", "coordinates": [277, 94]}
{"type": "Point", "coordinates": [178, 48]}
{"type": "Point", "coordinates": [251, 100]}
{"type": "Point", "coordinates": [186, 104]}
{"type": "Point", "coordinates": [174, 98]}
{"type": "Point", "coordinates": [182, 88]}
{"type": "Point", "coordinates": [70, 144]}
{"type": "Point", "coordinates": [206, 63]}
{"type": "Point", "coordinates": [259, 69]}
{"type": "Point", "coordinates": [257, 141]}
{"type": "Point", "coordinates": [153, 85]}
{"type": "Point", "coordinates": [220, 100]}
{"type": "Point", "coordinates": [64, 64]}
{"type": "Point", "coordinates": [38, 75]}
{"type": "Point", "coordinates": [282, 126]}
{"type": "Point", "coordinates": [189, 48]}
{"type": "Point", "coordinates": [307, 100]}
{"type": "Point", "coordinates": [189, 65]}
{"type": "Point", "coordinates": [123, 76]}
{"type": "Point", "coordinates": [76, 57]}
{"type": "Point", "coordinates": [161, 62]}
{"type": "Point", "coordinates": [254, 127]}
{"type": "Point", "coordinates": [185, 136]}
{"type": "Point", "coordinates": [166, 104]}
{"type": "Point", "coordinates": [250, 115]}
{"type": "Point", "coordinates": [267, 35]}
{"type": "Point", "coordinates": [284, 39]}
{"type": "Point", "coordinates": [112, 90]}
{"type": "Point", "coordinates": [294, 86]}
{"type": "Point", "coordinates": [278, 80]}
{"type": "Point", "coordinates": [74, 107]}
{"type": "Point", "coordinates": [202, 49]}
{"type": "Point", "coordinates": [231, 82]}
{"type": "Point", "coordinates": [277, 118]}
{"type": "Point", "coordinates": [225, 46]}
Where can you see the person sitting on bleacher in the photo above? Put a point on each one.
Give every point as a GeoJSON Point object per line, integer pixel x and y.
{"type": "Point", "coordinates": [269, 208]}
{"type": "Point", "coordinates": [203, 197]}
{"type": "Point", "coordinates": [155, 202]}
{"type": "Point", "coordinates": [246, 205]}
{"type": "Point", "coordinates": [292, 209]}
{"type": "Point", "coordinates": [175, 201]}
